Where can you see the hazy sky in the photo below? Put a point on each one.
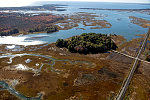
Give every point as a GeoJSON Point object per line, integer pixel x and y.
{"type": "Point", "coordinates": [13, 3]}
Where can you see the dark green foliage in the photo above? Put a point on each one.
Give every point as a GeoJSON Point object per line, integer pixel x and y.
{"type": "Point", "coordinates": [88, 43]}
{"type": "Point", "coordinates": [36, 30]}
{"type": "Point", "coordinates": [61, 43]}
{"type": "Point", "coordinates": [51, 29]}
{"type": "Point", "coordinates": [14, 31]}
{"type": "Point", "coordinates": [31, 31]}
{"type": "Point", "coordinates": [3, 33]}
{"type": "Point", "coordinates": [148, 58]}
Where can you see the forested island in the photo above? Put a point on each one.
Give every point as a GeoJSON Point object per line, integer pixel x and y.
{"type": "Point", "coordinates": [50, 29]}
{"type": "Point", "coordinates": [88, 66]}
{"type": "Point", "coordinates": [87, 43]}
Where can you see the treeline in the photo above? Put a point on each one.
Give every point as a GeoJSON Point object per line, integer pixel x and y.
{"type": "Point", "coordinates": [87, 43]}
{"type": "Point", "coordinates": [49, 29]}
{"type": "Point", "coordinates": [25, 22]}
{"type": "Point", "coordinates": [14, 31]}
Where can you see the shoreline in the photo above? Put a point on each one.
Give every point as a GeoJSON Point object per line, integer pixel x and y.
{"type": "Point", "coordinates": [62, 53]}
{"type": "Point", "coordinates": [57, 73]}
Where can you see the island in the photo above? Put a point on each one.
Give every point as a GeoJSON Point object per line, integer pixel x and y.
{"type": "Point", "coordinates": [83, 61]}
{"type": "Point", "coordinates": [88, 43]}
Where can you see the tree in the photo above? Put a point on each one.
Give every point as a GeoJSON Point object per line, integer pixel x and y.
{"type": "Point", "coordinates": [148, 58]}
{"type": "Point", "coordinates": [88, 43]}
{"type": "Point", "coordinates": [30, 31]}
{"type": "Point", "coordinates": [51, 29]}
{"type": "Point", "coordinates": [15, 31]}
{"type": "Point", "coordinates": [61, 43]}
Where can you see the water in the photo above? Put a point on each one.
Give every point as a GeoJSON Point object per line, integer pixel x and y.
{"type": "Point", "coordinates": [5, 86]}
{"type": "Point", "coordinates": [120, 27]}
{"type": "Point", "coordinates": [14, 92]}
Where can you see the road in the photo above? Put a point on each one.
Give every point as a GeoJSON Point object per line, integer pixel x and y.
{"type": "Point", "coordinates": [129, 56]}
{"type": "Point", "coordinates": [130, 75]}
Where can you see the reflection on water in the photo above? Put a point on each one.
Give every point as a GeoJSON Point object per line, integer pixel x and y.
{"type": "Point", "coordinates": [18, 40]}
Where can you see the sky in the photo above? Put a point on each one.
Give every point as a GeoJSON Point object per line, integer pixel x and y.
{"type": "Point", "coordinates": [18, 3]}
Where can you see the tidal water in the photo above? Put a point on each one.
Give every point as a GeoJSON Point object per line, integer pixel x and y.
{"type": "Point", "coordinates": [123, 26]}
{"type": "Point", "coordinates": [120, 27]}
